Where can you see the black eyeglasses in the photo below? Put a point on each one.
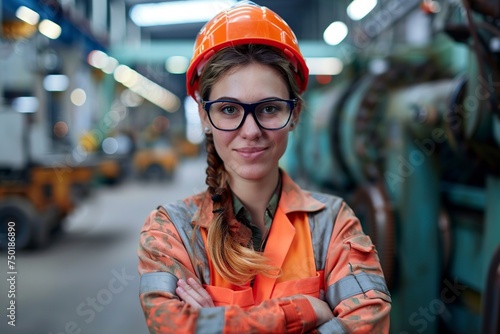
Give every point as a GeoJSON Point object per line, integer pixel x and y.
{"type": "Point", "coordinates": [271, 114]}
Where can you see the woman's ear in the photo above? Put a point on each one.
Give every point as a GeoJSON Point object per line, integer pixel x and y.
{"type": "Point", "coordinates": [294, 120]}
{"type": "Point", "coordinates": [205, 122]}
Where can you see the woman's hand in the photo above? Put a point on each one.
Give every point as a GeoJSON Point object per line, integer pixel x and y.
{"type": "Point", "coordinates": [322, 310]}
{"type": "Point", "coordinates": [192, 293]}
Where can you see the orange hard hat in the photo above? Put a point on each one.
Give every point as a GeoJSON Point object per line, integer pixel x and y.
{"type": "Point", "coordinates": [245, 23]}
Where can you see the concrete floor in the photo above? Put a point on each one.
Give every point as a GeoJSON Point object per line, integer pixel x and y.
{"type": "Point", "coordinates": [86, 281]}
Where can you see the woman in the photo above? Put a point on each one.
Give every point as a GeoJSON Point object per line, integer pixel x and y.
{"type": "Point", "coordinates": [254, 253]}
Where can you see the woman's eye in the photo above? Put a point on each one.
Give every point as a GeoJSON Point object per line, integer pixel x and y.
{"type": "Point", "coordinates": [269, 109]}
{"type": "Point", "coordinates": [229, 110]}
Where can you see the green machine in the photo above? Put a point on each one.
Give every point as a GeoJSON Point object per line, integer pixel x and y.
{"type": "Point", "coordinates": [412, 141]}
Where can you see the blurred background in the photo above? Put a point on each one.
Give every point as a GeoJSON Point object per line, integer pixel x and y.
{"type": "Point", "coordinates": [401, 119]}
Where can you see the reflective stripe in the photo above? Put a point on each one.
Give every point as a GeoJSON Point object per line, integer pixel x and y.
{"type": "Point", "coordinates": [321, 226]}
{"type": "Point", "coordinates": [353, 285]}
{"type": "Point", "coordinates": [332, 327]}
{"type": "Point", "coordinates": [181, 215]}
{"type": "Point", "coordinates": [158, 281]}
{"type": "Point", "coordinates": [210, 320]}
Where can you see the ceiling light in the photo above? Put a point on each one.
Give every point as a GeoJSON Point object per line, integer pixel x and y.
{"type": "Point", "coordinates": [56, 83]}
{"type": "Point", "coordinates": [177, 64]}
{"type": "Point", "coordinates": [126, 76]}
{"type": "Point", "coordinates": [110, 66]}
{"type": "Point", "coordinates": [177, 12]}
{"type": "Point", "coordinates": [25, 104]}
{"type": "Point", "coordinates": [50, 29]}
{"type": "Point", "coordinates": [98, 59]}
{"type": "Point", "coordinates": [324, 65]}
{"type": "Point", "coordinates": [102, 61]}
{"type": "Point", "coordinates": [27, 15]}
{"type": "Point", "coordinates": [335, 33]}
{"type": "Point", "coordinates": [78, 97]}
{"type": "Point", "coordinates": [360, 8]}
{"type": "Point", "coordinates": [146, 88]}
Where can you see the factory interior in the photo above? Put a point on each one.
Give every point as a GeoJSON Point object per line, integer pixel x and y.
{"type": "Point", "coordinates": [401, 118]}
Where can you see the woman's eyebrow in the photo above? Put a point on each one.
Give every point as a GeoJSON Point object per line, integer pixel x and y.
{"type": "Point", "coordinates": [226, 98]}
{"type": "Point", "coordinates": [258, 101]}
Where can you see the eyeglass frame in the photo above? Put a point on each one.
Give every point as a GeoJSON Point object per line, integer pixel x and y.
{"type": "Point", "coordinates": [249, 108]}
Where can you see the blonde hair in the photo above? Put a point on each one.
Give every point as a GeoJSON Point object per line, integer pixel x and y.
{"type": "Point", "coordinates": [235, 262]}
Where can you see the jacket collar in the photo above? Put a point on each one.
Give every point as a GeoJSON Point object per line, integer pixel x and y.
{"type": "Point", "coordinates": [292, 199]}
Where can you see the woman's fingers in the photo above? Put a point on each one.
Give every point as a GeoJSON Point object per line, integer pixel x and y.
{"type": "Point", "coordinates": [193, 293]}
{"type": "Point", "coordinates": [186, 297]}
{"type": "Point", "coordinates": [207, 300]}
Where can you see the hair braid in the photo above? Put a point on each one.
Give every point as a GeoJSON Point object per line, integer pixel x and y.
{"type": "Point", "coordinates": [236, 263]}
{"type": "Point", "coordinates": [214, 164]}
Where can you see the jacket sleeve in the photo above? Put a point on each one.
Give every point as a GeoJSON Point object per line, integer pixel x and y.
{"type": "Point", "coordinates": [356, 289]}
{"type": "Point", "coordinates": [163, 259]}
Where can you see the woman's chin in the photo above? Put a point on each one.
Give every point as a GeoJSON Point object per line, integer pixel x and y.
{"type": "Point", "coordinates": [254, 172]}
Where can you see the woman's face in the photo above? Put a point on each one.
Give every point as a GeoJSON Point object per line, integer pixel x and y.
{"type": "Point", "coordinates": [250, 153]}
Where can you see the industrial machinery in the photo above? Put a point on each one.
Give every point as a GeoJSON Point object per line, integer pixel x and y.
{"type": "Point", "coordinates": [35, 194]}
{"type": "Point", "coordinates": [47, 96]}
{"type": "Point", "coordinates": [155, 158]}
{"type": "Point", "coordinates": [155, 163]}
{"type": "Point", "coordinates": [47, 99]}
{"type": "Point", "coordinates": [411, 139]}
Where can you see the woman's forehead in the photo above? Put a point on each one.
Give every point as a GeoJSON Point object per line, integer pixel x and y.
{"type": "Point", "coordinates": [252, 81]}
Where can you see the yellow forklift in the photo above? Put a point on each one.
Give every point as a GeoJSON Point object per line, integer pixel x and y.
{"type": "Point", "coordinates": [35, 194]}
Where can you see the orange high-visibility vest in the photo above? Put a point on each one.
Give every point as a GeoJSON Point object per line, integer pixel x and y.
{"type": "Point", "coordinates": [289, 247]}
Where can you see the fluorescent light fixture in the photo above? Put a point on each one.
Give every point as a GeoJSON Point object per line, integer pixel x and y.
{"type": "Point", "coordinates": [102, 61]}
{"type": "Point", "coordinates": [177, 64]}
{"type": "Point", "coordinates": [25, 104]}
{"type": "Point", "coordinates": [110, 66]}
{"type": "Point", "coordinates": [50, 29]}
{"type": "Point", "coordinates": [98, 59]}
{"type": "Point", "coordinates": [134, 81]}
{"type": "Point", "coordinates": [335, 33]}
{"type": "Point", "coordinates": [324, 65]}
{"type": "Point", "coordinates": [146, 88]}
{"type": "Point", "coordinates": [27, 15]}
{"type": "Point", "coordinates": [360, 8]}
{"type": "Point", "coordinates": [126, 76]}
{"type": "Point", "coordinates": [56, 83]}
{"type": "Point", "coordinates": [177, 12]}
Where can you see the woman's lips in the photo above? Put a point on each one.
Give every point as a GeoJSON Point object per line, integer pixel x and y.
{"type": "Point", "coordinates": [251, 152]}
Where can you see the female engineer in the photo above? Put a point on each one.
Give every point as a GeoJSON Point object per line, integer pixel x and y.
{"type": "Point", "coordinates": [254, 253]}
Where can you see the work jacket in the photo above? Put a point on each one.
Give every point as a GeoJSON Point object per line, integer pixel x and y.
{"type": "Point", "coordinates": [315, 239]}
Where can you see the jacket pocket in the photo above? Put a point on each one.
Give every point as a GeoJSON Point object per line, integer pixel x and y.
{"type": "Point", "coordinates": [363, 256]}
{"type": "Point", "coordinates": [224, 296]}
{"type": "Point", "coordinates": [310, 286]}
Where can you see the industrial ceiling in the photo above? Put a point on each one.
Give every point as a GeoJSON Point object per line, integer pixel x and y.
{"type": "Point", "coordinates": [308, 18]}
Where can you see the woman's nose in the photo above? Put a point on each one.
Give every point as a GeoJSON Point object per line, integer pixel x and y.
{"type": "Point", "coordinates": [250, 128]}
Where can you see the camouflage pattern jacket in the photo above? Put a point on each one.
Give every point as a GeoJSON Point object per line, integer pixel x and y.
{"type": "Point", "coordinates": [324, 254]}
